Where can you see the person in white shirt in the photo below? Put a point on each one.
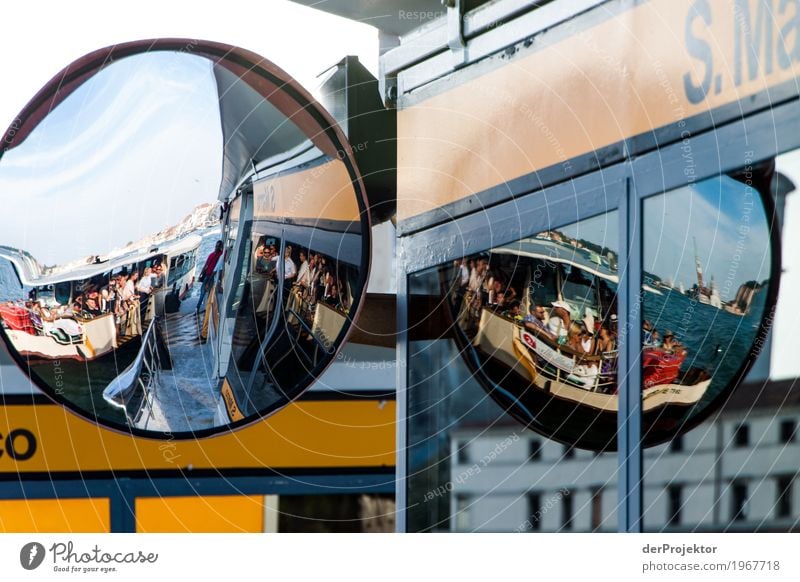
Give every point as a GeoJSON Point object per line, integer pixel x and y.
{"type": "Point", "coordinates": [146, 282]}
{"type": "Point", "coordinates": [305, 270]}
{"type": "Point", "coordinates": [129, 291]}
{"type": "Point", "coordinates": [464, 272]}
{"type": "Point", "coordinates": [559, 321]}
{"type": "Point", "coordinates": [289, 268]}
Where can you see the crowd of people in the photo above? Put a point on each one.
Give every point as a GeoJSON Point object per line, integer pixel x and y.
{"type": "Point", "coordinates": [124, 295]}
{"type": "Point", "coordinates": [479, 286]}
{"type": "Point", "coordinates": [315, 280]}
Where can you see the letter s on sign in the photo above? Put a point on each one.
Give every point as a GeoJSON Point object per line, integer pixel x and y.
{"type": "Point", "coordinates": [699, 49]}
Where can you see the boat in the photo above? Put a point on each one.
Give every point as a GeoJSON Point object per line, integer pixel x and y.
{"type": "Point", "coordinates": [554, 273]}
{"type": "Point", "coordinates": [46, 327]}
{"type": "Point", "coordinates": [705, 295]}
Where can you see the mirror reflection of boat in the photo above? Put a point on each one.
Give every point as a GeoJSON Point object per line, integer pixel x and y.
{"type": "Point", "coordinates": [575, 360]}
{"type": "Point", "coordinates": [270, 215]}
{"type": "Point", "coordinates": [77, 312]}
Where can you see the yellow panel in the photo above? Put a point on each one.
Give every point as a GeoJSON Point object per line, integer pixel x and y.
{"type": "Point", "coordinates": [632, 73]}
{"type": "Point", "coordinates": [324, 192]}
{"type": "Point", "coordinates": [310, 434]}
{"type": "Point", "coordinates": [54, 516]}
{"type": "Point", "coordinates": [200, 514]}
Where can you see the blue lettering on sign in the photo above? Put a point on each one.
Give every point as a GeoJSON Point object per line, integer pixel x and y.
{"type": "Point", "coordinates": [765, 32]}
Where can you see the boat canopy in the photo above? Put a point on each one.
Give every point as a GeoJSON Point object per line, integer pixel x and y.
{"type": "Point", "coordinates": [548, 250]}
{"type": "Point", "coordinates": [31, 273]}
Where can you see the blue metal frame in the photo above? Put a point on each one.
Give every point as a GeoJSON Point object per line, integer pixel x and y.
{"type": "Point", "coordinates": [629, 415]}
{"type": "Point", "coordinates": [122, 492]}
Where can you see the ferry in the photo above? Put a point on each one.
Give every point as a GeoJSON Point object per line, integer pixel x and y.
{"type": "Point", "coordinates": [54, 324]}
{"type": "Point", "coordinates": [557, 274]}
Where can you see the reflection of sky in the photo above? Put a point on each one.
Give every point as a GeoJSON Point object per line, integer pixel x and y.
{"type": "Point", "coordinates": [130, 152]}
{"type": "Point", "coordinates": [729, 225]}
{"type": "Point", "coordinates": [601, 230]}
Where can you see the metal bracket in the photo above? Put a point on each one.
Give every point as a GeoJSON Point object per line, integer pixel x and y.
{"type": "Point", "coordinates": [455, 32]}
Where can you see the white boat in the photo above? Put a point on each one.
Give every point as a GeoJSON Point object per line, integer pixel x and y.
{"type": "Point", "coordinates": [554, 272]}
{"type": "Point", "coordinates": [57, 332]}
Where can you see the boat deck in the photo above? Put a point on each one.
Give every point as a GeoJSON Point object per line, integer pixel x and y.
{"type": "Point", "coordinates": [186, 396]}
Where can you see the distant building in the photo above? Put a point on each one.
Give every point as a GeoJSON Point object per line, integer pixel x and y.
{"type": "Point", "coordinates": [737, 472]}
{"type": "Point", "coordinates": [744, 296]}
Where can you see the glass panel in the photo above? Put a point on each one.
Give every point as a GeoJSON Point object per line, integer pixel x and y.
{"type": "Point", "coordinates": [708, 255]}
{"type": "Point", "coordinates": [475, 386]}
{"type": "Point", "coordinates": [707, 269]}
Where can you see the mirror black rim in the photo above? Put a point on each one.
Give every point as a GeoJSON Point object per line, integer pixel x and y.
{"type": "Point", "coordinates": [75, 73]}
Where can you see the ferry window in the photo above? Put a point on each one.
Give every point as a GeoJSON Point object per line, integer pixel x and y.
{"type": "Point", "coordinates": [707, 270]}
{"type": "Point", "coordinates": [674, 504]}
{"type": "Point", "coordinates": [533, 522]}
{"type": "Point", "coordinates": [783, 505]}
{"type": "Point", "coordinates": [741, 435]}
{"type": "Point", "coordinates": [738, 501]}
{"type": "Point", "coordinates": [788, 431]}
{"type": "Point", "coordinates": [676, 444]}
{"type": "Point", "coordinates": [535, 450]}
{"type": "Point", "coordinates": [567, 509]}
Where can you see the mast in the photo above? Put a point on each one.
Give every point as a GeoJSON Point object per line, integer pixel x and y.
{"type": "Point", "coordinates": [697, 265]}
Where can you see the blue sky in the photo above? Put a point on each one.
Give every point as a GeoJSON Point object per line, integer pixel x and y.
{"type": "Point", "coordinates": [713, 212]}
{"type": "Point", "coordinates": [727, 221]}
{"type": "Point", "coordinates": [130, 152]}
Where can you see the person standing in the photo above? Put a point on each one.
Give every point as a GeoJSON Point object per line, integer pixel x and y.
{"type": "Point", "coordinates": [208, 272]}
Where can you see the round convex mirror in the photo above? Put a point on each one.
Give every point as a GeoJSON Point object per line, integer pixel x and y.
{"type": "Point", "coordinates": [184, 243]}
{"type": "Point", "coordinates": [537, 318]}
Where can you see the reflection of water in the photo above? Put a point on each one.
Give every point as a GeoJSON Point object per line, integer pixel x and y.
{"type": "Point", "coordinates": [716, 340]}
{"type": "Point", "coordinates": [82, 383]}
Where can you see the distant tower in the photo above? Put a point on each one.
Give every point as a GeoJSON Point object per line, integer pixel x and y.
{"type": "Point", "coordinates": [697, 265]}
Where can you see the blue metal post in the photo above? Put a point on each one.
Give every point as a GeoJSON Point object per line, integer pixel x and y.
{"type": "Point", "coordinates": [629, 416]}
{"type": "Point", "coordinates": [401, 462]}
{"type": "Point", "coordinates": [122, 508]}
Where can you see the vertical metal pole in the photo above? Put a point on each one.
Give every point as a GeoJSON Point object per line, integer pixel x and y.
{"type": "Point", "coordinates": [122, 507]}
{"type": "Point", "coordinates": [629, 373]}
{"type": "Point", "coordinates": [401, 438]}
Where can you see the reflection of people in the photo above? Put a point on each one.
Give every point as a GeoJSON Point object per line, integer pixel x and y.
{"type": "Point", "coordinates": [145, 286]}
{"type": "Point", "coordinates": [289, 268]}
{"type": "Point", "coordinates": [207, 273]}
{"type": "Point", "coordinates": [670, 345]}
{"type": "Point", "coordinates": [513, 311]}
{"type": "Point", "coordinates": [535, 320]}
{"type": "Point", "coordinates": [559, 321]}
{"type": "Point", "coordinates": [464, 273]}
{"type": "Point", "coordinates": [157, 280]}
{"type": "Point", "coordinates": [302, 274]}
{"type": "Point", "coordinates": [605, 342]}
{"type": "Point", "coordinates": [332, 296]}
{"type": "Point", "coordinates": [587, 341]}
{"type": "Point", "coordinates": [129, 290]}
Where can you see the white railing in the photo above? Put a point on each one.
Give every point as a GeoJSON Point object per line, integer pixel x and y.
{"type": "Point", "coordinates": [140, 377]}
